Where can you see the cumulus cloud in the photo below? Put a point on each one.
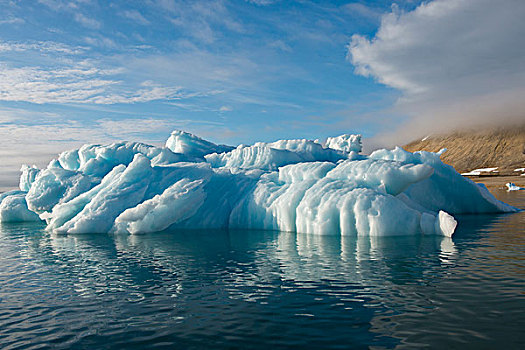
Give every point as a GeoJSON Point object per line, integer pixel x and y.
{"type": "Point", "coordinates": [456, 62]}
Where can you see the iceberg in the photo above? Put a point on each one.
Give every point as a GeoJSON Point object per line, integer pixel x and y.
{"type": "Point", "coordinates": [304, 186]}
{"type": "Point", "coordinates": [513, 187]}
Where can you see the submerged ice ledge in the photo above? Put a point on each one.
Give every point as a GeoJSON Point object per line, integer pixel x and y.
{"type": "Point", "coordinates": [289, 185]}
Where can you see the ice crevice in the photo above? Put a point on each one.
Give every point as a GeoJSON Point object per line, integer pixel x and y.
{"type": "Point", "coordinates": [305, 186]}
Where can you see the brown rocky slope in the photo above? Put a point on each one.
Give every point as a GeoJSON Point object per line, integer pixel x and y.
{"type": "Point", "coordinates": [466, 150]}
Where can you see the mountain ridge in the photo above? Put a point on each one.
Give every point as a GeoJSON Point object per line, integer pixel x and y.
{"type": "Point", "coordinates": [502, 147]}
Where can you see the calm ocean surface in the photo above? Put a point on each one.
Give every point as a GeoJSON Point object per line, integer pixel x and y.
{"type": "Point", "coordinates": [215, 289]}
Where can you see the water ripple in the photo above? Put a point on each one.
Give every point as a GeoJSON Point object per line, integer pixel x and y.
{"type": "Point", "coordinates": [219, 289]}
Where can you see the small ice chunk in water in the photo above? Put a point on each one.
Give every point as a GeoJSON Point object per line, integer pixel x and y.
{"type": "Point", "coordinates": [446, 223]}
{"type": "Point", "coordinates": [513, 187]}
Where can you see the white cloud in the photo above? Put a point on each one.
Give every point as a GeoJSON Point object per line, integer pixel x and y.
{"type": "Point", "coordinates": [87, 21]}
{"type": "Point", "coordinates": [280, 45]}
{"type": "Point", "coordinates": [152, 93]}
{"type": "Point", "coordinates": [262, 2]}
{"type": "Point", "coordinates": [101, 41]}
{"type": "Point", "coordinates": [197, 70]}
{"type": "Point", "coordinates": [448, 58]}
{"type": "Point", "coordinates": [65, 76]}
{"type": "Point", "coordinates": [40, 46]}
{"type": "Point", "coordinates": [12, 20]}
{"type": "Point", "coordinates": [75, 85]}
{"type": "Point", "coordinates": [64, 4]}
{"type": "Point", "coordinates": [135, 16]}
{"type": "Point", "coordinates": [35, 85]}
{"type": "Point", "coordinates": [202, 20]}
{"type": "Point", "coordinates": [60, 73]}
{"type": "Point", "coordinates": [362, 10]}
{"type": "Point", "coordinates": [78, 9]}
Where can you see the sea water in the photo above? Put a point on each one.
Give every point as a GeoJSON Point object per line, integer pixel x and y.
{"type": "Point", "coordinates": [257, 289]}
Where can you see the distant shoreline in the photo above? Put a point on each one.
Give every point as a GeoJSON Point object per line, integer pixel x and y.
{"type": "Point", "coordinates": [501, 148]}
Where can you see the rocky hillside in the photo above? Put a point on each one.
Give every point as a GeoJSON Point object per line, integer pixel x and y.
{"type": "Point", "coordinates": [466, 150]}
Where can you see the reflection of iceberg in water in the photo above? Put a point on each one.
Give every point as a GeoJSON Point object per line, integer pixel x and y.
{"type": "Point", "coordinates": [448, 251]}
{"type": "Point", "coordinates": [93, 265]}
{"type": "Point", "coordinates": [102, 266]}
{"type": "Point", "coordinates": [384, 291]}
{"type": "Point", "coordinates": [360, 265]}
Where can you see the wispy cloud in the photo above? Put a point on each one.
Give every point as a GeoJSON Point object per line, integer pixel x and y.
{"type": "Point", "coordinates": [280, 45]}
{"type": "Point", "coordinates": [35, 85]}
{"type": "Point", "coordinates": [77, 9]}
{"type": "Point", "coordinates": [101, 41]}
{"type": "Point", "coordinates": [12, 20]}
{"type": "Point", "coordinates": [152, 93]}
{"type": "Point", "coordinates": [215, 63]}
{"type": "Point", "coordinates": [41, 47]}
{"type": "Point", "coordinates": [362, 10]}
{"type": "Point", "coordinates": [68, 5]}
{"type": "Point", "coordinates": [197, 70]}
{"type": "Point", "coordinates": [202, 20]}
{"type": "Point", "coordinates": [70, 78]}
{"type": "Point", "coordinates": [262, 2]}
{"type": "Point", "coordinates": [135, 16]}
{"type": "Point", "coordinates": [75, 85]}
{"type": "Point", "coordinates": [87, 21]}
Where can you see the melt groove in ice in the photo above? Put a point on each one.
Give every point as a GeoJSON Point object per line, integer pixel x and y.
{"type": "Point", "coordinates": [289, 185]}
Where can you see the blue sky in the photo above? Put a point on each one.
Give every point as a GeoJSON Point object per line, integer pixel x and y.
{"type": "Point", "coordinates": [234, 72]}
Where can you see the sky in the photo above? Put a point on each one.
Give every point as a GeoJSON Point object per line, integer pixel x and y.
{"type": "Point", "coordinates": [87, 71]}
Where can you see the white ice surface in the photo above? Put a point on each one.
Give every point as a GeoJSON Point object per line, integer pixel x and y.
{"type": "Point", "coordinates": [290, 185]}
{"type": "Point", "coordinates": [446, 189]}
{"type": "Point", "coordinates": [191, 145]}
{"type": "Point", "coordinates": [476, 172]}
{"type": "Point", "coordinates": [13, 208]}
{"type": "Point", "coordinates": [346, 143]}
{"type": "Point", "coordinates": [271, 156]}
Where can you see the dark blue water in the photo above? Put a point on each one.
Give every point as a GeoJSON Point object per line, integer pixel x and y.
{"type": "Point", "coordinates": [247, 289]}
